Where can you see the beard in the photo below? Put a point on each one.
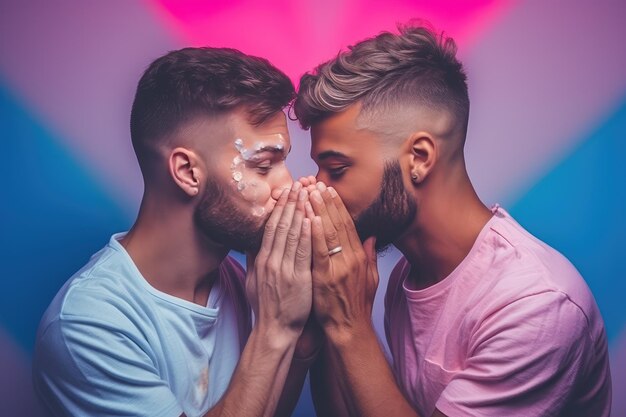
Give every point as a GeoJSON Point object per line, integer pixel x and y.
{"type": "Point", "coordinates": [391, 213]}
{"type": "Point", "coordinates": [224, 223]}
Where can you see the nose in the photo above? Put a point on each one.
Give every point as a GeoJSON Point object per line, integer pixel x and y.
{"type": "Point", "coordinates": [284, 180]}
{"type": "Point", "coordinates": [321, 177]}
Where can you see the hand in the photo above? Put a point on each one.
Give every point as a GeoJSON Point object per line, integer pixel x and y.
{"type": "Point", "coordinates": [310, 183]}
{"type": "Point", "coordinates": [345, 283]}
{"type": "Point", "coordinates": [278, 283]}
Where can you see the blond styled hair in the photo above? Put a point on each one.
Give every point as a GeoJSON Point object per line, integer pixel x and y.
{"type": "Point", "coordinates": [417, 66]}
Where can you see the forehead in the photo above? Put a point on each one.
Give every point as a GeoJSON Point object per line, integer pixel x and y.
{"type": "Point", "coordinates": [342, 133]}
{"type": "Point", "coordinates": [273, 130]}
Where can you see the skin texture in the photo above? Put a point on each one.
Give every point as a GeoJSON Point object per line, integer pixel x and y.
{"type": "Point", "coordinates": [177, 244]}
{"type": "Point", "coordinates": [259, 153]}
{"type": "Point", "coordinates": [351, 375]}
{"type": "Point", "coordinates": [354, 170]}
{"type": "Point", "coordinates": [234, 213]}
{"type": "Point", "coordinates": [252, 161]}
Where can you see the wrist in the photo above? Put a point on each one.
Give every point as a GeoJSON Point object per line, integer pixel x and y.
{"type": "Point", "coordinates": [344, 336]}
{"type": "Point", "coordinates": [276, 338]}
{"type": "Point", "coordinates": [309, 343]}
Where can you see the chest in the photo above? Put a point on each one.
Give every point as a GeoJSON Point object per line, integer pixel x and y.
{"type": "Point", "coordinates": [429, 346]}
{"type": "Point", "coordinates": [197, 356]}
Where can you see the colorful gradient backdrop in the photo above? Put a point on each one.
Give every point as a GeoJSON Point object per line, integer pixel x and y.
{"type": "Point", "coordinates": [547, 132]}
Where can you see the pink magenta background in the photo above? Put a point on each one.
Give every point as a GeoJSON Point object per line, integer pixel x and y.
{"type": "Point", "coordinates": [546, 140]}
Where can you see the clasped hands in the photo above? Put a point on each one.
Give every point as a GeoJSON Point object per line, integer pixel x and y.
{"type": "Point", "coordinates": [312, 273]}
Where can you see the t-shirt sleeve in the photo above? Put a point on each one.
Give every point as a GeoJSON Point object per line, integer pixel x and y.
{"type": "Point", "coordinates": [88, 367]}
{"type": "Point", "coordinates": [524, 360]}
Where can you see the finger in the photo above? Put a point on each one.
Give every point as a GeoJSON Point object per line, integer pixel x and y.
{"type": "Point", "coordinates": [293, 235]}
{"type": "Point", "coordinates": [309, 210]}
{"type": "Point", "coordinates": [284, 224]}
{"type": "Point", "coordinates": [319, 207]}
{"type": "Point", "coordinates": [271, 224]}
{"type": "Point", "coordinates": [348, 222]}
{"type": "Point", "coordinates": [334, 215]}
{"type": "Point", "coordinates": [319, 247]}
{"type": "Point", "coordinates": [304, 181]}
{"type": "Point", "coordinates": [303, 253]}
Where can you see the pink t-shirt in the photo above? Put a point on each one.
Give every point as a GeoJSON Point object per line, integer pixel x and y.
{"type": "Point", "coordinates": [512, 331]}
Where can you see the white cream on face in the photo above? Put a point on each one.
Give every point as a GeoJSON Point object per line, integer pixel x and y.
{"type": "Point", "coordinates": [244, 178]}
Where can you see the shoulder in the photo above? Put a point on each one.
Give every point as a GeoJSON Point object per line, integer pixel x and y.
{"type": "Point", "coordinates": [532, 267]}
{"type": "Point", "coordinates": [100, 294]}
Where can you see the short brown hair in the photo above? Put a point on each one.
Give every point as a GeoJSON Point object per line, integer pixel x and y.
{"type": "Point", "coordinates": [209, 81]}
{"type": "Point", "coordinates": [416, 66]}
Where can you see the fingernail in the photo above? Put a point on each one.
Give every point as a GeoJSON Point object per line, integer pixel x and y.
{"type": "Point", "coordinates": [302, 195]}
{"type": "Point", "coordinates": [332, 192]}
{"type": "Point", "coordinates": [317, 197]}
{"type": "Point", "coordinates": [321, 186]}
{"type": "Point", "coordinates": [296, 186]}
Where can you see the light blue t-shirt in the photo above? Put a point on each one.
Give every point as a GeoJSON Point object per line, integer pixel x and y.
{"type": "Point", "coordinates": [111, 344]}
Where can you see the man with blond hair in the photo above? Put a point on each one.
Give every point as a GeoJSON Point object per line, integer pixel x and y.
{"type": "Point", "coordinates": [481, 318]}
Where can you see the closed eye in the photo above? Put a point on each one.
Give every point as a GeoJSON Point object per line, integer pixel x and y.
{"type": "Point", "coordinates": [264, 167]}
{"type": "Point", "coordinates": [337, 172]}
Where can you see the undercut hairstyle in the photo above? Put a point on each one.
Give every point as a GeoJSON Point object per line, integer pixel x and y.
{"type": "Point", "coordinates": [191, 82]}
{"type": "Point", "coordinates": [384, 73]}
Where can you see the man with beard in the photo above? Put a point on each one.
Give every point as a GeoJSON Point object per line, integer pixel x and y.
{"type": "Point", "coordinates": [158, 323]}
{"type": "Point", "coordinates": [481, 318]}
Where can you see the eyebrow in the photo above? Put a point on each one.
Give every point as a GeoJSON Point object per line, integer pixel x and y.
{"type": "Point", "coordinates": [273, 149]}
{"type": "Point", "coordinates": [330, 154]}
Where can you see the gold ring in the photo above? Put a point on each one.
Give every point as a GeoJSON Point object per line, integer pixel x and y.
{"type": "Point", "coordinates": [335, 251]}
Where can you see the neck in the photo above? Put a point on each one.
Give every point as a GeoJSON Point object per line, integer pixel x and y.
{"type": "Point", "coordinates": [171, 254]}
{"type": "Point", "coordinates": [449, 219]}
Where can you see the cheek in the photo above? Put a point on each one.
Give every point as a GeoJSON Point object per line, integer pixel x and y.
{"type": "Point", "coordinates": [254, 190]}
{"type": "Point", "coordinates": [351, 200]}
{"type": "Point", "coordinates": [282, 174]}
{"type": "Point", "coordinates": [357, 195]}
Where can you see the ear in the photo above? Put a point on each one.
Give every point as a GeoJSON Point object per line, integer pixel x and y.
{"type": "Point", "coordinates": [184, 166]}
{"type": "Point", "coordinates": [424, 153]}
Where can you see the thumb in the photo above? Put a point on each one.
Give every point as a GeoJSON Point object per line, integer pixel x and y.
{"type": "Point", "coordinates": [369, 246]}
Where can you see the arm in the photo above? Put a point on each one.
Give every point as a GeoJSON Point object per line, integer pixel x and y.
{"type": "Point", "coordinates": [304, 356]}
{"type": "Point", "coordinates": [325, 390]}
{"type": "Point", "coordinates": [94, 360]}
{"type": "Point", "coordinates": [278, 285]}
{"type": "Point", "coordinates": [344, 288]}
